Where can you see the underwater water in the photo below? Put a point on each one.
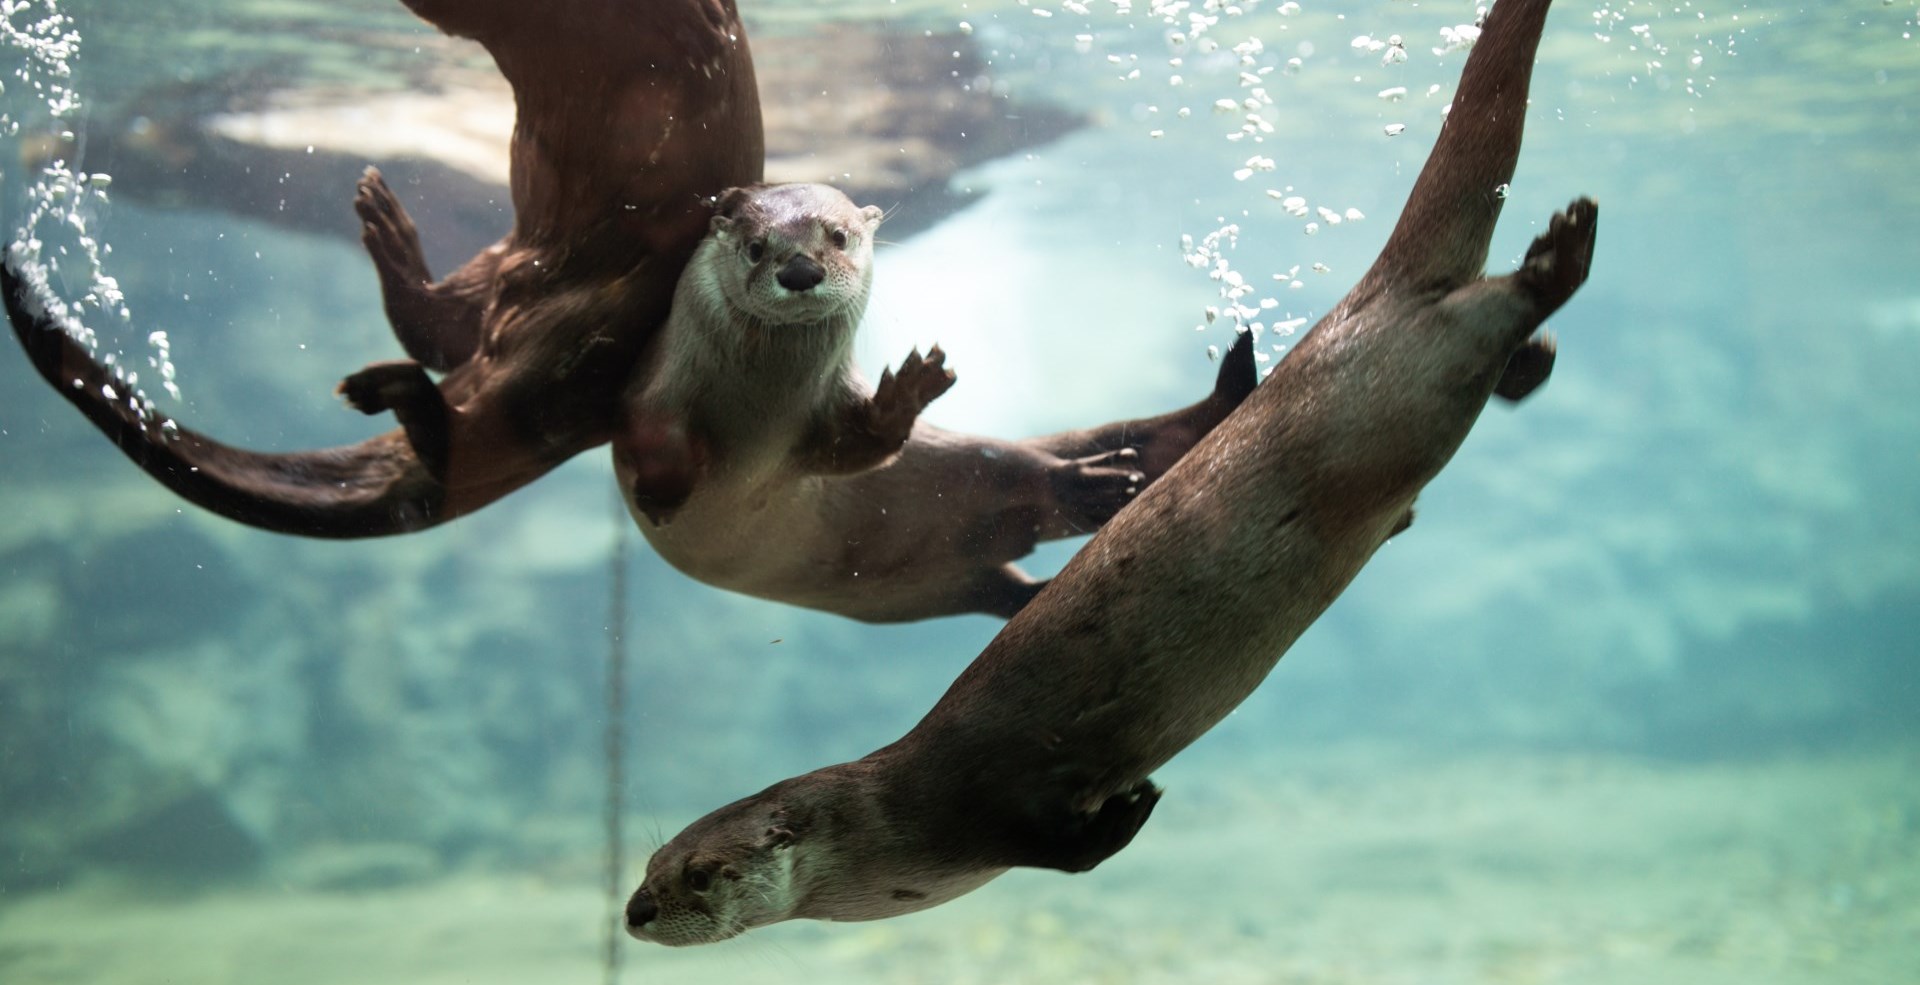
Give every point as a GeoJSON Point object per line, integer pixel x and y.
{"type": "Point", "coordinates": [1636, 699]}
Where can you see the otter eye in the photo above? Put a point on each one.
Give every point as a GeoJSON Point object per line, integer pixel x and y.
{"type": "Point", "coordinates": [756, 250]}
{"type": "Point", "coordinates": [839, 237]}
{"type": "Point", "coordinates": [699, 880]}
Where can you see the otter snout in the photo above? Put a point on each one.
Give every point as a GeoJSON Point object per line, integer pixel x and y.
{"type": "Point", "coordinates": [641, 909]}
{"type": "Point", "coordinates": [802, 273]}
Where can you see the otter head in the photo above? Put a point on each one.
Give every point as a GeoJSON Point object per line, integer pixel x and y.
{"type": "Point", "coordinates": [793, 254]}
{"type": "Point", "coordinates": [726, 873]}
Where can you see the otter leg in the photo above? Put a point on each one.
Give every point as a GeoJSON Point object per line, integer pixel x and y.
{"type": "Point", "coordinates": [437, 324]}
{"type": "Point", "coordinates": [659, 462]}
{"type": "Point", "coordinates": [1559, 259]}
{"type": "Point", "coordinates": [1086, 840]}
{"type": "Point", "coordinates": [1161, 441]}
{"type": "Point", "coordinates": [402, 386]}
{"type": "Point", "coordinates": [1003, 592]}
{"type": "Point", "coordinates": [1088, 491]}
{"type": "Point", "coordinates": [865, 433]}
{"type": "Point", "coordinates": [1529, 367]}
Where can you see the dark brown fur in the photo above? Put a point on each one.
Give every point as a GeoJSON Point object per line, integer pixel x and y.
{"type": "Point", "coordinates": [632, 115]}
{"type": "Point", "coordinates": [755, 458]}
{"type": "Point", "coordinates": [1040, 753]}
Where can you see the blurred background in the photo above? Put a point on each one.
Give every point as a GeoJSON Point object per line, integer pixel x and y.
{"type": "Point", "coordinates": [1634, 700]}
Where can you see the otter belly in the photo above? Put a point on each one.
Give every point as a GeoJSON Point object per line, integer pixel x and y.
{"type": "Point", "coordinates": [757, 537]}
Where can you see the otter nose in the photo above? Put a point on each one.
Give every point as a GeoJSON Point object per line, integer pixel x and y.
{"type": "Point", "coordinates": [641, 909]}
{"type": "Point", "coordinates": [801, 274]}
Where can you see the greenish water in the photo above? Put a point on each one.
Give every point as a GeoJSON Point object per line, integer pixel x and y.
{"type": "Point", "coordinates": [1632, 702]}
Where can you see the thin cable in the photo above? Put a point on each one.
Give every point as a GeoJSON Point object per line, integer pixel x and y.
{"type": "Point", "coordinates": [615, 746]}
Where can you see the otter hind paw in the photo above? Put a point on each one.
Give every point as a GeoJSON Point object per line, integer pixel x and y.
{"type": "Point", "coordinates": [403, 386]}
{"type": "Point", "coordinates": [1559, 259]}
{"type": "Point", "coordinates": [1093, 838]}
{"type": "Point", "coordinates": [1094, 488]}
{"type": "Point", "coordinates": [1527, 368]}
{"type": "Point", "coordinates": [388, 232]}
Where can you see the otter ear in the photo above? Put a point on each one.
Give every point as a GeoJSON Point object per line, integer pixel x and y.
{"type": "Point", "coordinates": [727, 206]}
{"type": "Point", "coordinates": [779, 836]}
{"type": "Point", "coordinates": [873, 215]}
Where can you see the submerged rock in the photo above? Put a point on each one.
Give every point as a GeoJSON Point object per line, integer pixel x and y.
{"type": "Point", "coordinates": [888, 117]}
{"type": "Point", "coordinates": [192, 835]}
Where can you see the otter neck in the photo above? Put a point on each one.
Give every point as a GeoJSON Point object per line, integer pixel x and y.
{"type": "Point", "coordinates": [753, 384]}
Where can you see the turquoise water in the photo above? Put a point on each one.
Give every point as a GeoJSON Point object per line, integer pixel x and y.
{"type": "Point", "coordinates": [1632, 702]}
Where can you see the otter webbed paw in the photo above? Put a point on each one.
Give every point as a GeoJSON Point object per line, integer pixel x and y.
{"type": "Point", "coordinates": [1558, 260]}
{"type": "Point", "coordinates": [1527, 369]}
{"type": "Point", "coordinates": [1089, 839]}
{"type": "Point", "coordinates": [1091, 490]}
{"type": "Point", "coordinates": [440, 331]}
{"type": "Point", "coordinates": [402, 386]}
{"type": "Point", "coordinates": [900, 397]}
{"type": "Point", "coordinates": [388, 233]}
{"type": "Point", "coordinates": [864, 432]}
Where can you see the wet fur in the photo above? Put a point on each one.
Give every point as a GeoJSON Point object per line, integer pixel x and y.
{"type": "Point", "coordinates": [542, 335]}
{"type": "Point", "coordinates": [749, 376]}
{"type": "Point", "coordinates": [632, 116]}
{"type": "Point", "coordinates": [757, 459]}
{"type": "Point", "coordinates": [1040, 753]}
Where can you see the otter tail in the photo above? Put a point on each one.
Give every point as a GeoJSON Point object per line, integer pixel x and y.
{"type": "Point", "coordinates": [1442, 237]}
{"type": "Point", "coordinates": [370, 489]}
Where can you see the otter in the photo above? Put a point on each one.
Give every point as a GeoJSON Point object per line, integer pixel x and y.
{"type": "Point", "coordinates": [548, 338]}
{"type": "Point", "coordinates": [752, 379]}
{"type": "Point", "coordinates": [755, 458]}
{"type": "Point", "coordinates": [1040, 754]}
{"type": "Point", "coordinates": [631, 116]}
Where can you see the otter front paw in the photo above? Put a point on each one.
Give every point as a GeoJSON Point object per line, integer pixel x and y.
{"type": "Point", "coordinates": [1092, 489]}
{"type": "Point", "coordinates": [900, 397]}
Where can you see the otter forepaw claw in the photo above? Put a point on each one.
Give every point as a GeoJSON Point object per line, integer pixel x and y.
{"type": "Point", "coordinates": [901, 396]}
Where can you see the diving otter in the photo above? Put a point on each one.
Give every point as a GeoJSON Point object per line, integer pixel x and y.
{"type": "Point", "coordinates": [754, 458]}
{"type": "Point", "coordinates": [1040, 753]}
{"type": "Point", "coordinates": [543, 336]}
{"type": "Point", "coordinates": [752, 379]}
{"type": "Point", "coordinates": [631, 117]}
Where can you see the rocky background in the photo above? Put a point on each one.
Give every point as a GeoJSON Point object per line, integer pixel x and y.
{"type": "Point", "coordinates": [183, 698]}
{"type": "Point", "coordinates": [1701, 543]}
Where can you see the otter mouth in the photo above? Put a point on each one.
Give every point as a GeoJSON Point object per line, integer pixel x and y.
{"type": "Point", "coordinates": [644, 922]}
{"type": "Point", "coordinates": [811, 307]}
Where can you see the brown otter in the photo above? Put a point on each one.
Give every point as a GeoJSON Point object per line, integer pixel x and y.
{"type": "Point", "coordinates": [540, 336]}
{"type": "Point", "coordinates": [632, 116]}
{"type": "Point", "coordinates": [751, 450]}
{"type": "Point", "coordinates": [752, 378]}
{"type": "Point", "coordinates": [1040, 753]}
